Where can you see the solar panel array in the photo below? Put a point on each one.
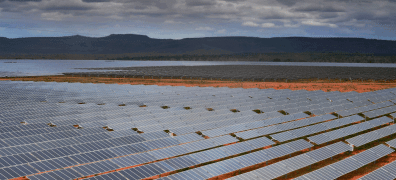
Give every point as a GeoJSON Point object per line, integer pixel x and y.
{"type": "Point", "coordinates": [297, 162]}
{"type": "Point", "coordinates": [385, 172]}
{"type": "Point", "coordinates": [350, 164]}
{"type": "Point", "coordinates": [372, 135]}
{"type": "Point", "coordinates": [288, 135]}
{"type": "Point", "coordinates": [251, 71]}
{"type": "Point", "coordinates": [229, 165]}
{"type": "Point", "coordinates": [346, 131]}
{"type": "Point", "coordinates": [74, 130]}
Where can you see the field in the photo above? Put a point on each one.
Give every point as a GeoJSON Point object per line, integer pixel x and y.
{"type": "Point", "coordinates": [277, 90]}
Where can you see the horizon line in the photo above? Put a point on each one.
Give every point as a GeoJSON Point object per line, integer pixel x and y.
{"type": "Point", "coordinates": [339, 37]}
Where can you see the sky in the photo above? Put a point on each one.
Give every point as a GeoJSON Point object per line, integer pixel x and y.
{"type": "Point", "coordinates": [177, 19]}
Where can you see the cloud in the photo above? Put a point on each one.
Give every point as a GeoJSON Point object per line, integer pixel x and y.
{"type": "Point", "coordinates": [234, 0]}
{"type": "Point", "coordinates": [73, 5]}
{"type": "Point", "coordinates": [200, 2]}
{"type": "Point", "coordinates": [320, 8]}
{"type": "Point", "coordinates": [55, 16]}
{"type": "Point", "coordinates": [172, 22]}
{"type": "Point", "coordinates": [208, 15]}
{"type": "Point", "coordinates": [267, 25]}
{"type": "Point", "coordinates": [279, 13]}
{"type": "Point", "coordinates": [222, 31]}
{"type": "Point", "coordinates": [264, 25]}
{"type": "Point", "coordinates": [288, 25]}
{"type": "Point", "coordinates": [249, 23]}
{"type": "Point", "coordinates": [24, 0]}
{"type": "Point", "coordinates": [287, 2]}
{"type": "Point", "coordinates": [204, 29]}
{"type": "Point", "coordinates": [91, 1]}
{"type": "Point", "coordinates": [315, 23]}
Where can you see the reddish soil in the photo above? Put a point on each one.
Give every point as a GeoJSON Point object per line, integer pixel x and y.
{"type": "Point", "coordinates": [310, 85]}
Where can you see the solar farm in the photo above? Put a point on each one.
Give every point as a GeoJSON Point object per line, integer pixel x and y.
{"type": "Point", "coordinates": [54, 130]}
{"type": "Point", "coordinates": [247, 72]}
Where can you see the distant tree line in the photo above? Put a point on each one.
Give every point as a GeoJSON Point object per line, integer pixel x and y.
{"type": "Point", "coordinates": [264, 57]}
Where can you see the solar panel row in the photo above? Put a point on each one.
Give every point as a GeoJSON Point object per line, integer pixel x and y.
{"type": "Point", "coordinates": [297, 162]}
{"type": "Point", "coordinates": [288, 135]}
{"type": "Point", "coordinates": [179, 162]}
{"type": "Point", "coordinates": [230, 165]}
{"type": "Point", "coordinates": [372, 136]}
{"type": "Point", "coordinates": [346, 131]}
{"type": "Point", "coordinates": [385, 172]}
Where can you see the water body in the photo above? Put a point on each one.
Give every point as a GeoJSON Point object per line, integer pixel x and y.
{"type": "Point", "coordinates": [13, 68]}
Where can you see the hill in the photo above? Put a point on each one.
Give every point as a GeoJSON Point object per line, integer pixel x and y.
{"type": "Point", "coordinates": [131, 43]}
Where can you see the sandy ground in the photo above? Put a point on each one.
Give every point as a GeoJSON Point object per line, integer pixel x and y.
{"type": "Point", "coordinates": [309, 85]}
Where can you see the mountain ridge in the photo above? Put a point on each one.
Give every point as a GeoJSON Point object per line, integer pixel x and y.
{"type": "Point", "coordinates": [134, 43]}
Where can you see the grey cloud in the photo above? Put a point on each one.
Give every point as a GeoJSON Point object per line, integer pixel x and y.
{"type": "Point", "coordinates": [24, 0]}
{"type": "Point", "coordinates": [68, 8]}
{"type": "Point", "coordinates": [274, 14]}
{"type": "Point", "coordinates": [200, 2]}
{"type": "Point", "coordinates": [362, 15]}
{"type": "Point", "coordinates": [208, 12]}
{"type": "Point", "coordinates": [17, 6]}
{"type": "Point", "coordinates": [320, 8]}
{"type": "Point", "coordinates": [164, 4]}
{"type": "Point", "coordinates": [93, 1]}
{"type": "Point", "coordinates": [287, 2]}
{"type": "Point", "coordinates": [140, 5]}
{"type": "Point", "coordinates": [234, 0]}
{"type": "Point", "coordinates": [327, 15]}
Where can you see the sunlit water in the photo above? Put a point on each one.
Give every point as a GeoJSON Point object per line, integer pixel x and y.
{"type": "Point", "coordinates": [13, 68]}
